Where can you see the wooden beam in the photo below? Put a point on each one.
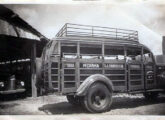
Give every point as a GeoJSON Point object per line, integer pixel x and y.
{"type": "Point", "coordinates": [33, 69]}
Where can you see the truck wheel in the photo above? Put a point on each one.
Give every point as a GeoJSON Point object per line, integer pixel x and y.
{"type": "Point", "coordinates": [151, 95]}
{"type": "Point", "coordinates": [98, 98]}
{"type": "Point", "coordinates": [73, 100]}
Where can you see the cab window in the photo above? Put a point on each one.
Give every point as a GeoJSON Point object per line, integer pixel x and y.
{"type": "Point", "coordinates": [47, 50]}
{"type": "Point", "coordinates": [147, 56]}
{"type": "Point", "coordinates": [55, 47]}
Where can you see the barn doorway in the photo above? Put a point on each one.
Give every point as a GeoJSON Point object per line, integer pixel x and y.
{"type": "Point", "coordinates": [17, 57]}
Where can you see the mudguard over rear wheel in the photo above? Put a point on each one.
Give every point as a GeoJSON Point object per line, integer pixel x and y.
{"type": "Point", "coordinates": [98, 98]}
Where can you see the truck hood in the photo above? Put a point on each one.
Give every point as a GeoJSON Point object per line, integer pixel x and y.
{"type": "Point", "coordinates": [160, 60]}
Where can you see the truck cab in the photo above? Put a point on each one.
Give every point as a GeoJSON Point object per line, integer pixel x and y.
{"type": "Point", "coordinates": [90, 63]}
{"type": "Point", "coordinates": [13, 75]}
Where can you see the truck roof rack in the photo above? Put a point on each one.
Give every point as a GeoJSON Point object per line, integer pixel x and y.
{"type": "Point", "coordinates": [77, 30]}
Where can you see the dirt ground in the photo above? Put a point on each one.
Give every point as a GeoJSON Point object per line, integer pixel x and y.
{"type": "Point", "coordinates": [123, 104]}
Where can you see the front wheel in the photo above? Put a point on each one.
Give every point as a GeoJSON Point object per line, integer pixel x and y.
{"type": "Point", "coordinates": [98, 98]}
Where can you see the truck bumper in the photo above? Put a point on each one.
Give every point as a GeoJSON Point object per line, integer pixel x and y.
{"type": "Point", "coordinates": [12, 91]}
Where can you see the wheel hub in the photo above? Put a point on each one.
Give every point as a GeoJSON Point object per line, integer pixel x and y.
{"type": "Point", "coordinates": [97, 99]}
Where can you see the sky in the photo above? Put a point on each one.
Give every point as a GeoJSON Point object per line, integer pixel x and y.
{"type": "Point", "coordinates": [147, 18]}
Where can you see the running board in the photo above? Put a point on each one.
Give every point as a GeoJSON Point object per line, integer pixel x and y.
{"type": "Point", "coordinates": [135, 92]}
{"type": "Point", "coordinates": [156, 90]}
{"type": "Point", "coordinates": [153, 90]}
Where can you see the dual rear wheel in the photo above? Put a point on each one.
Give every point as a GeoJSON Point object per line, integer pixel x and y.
{"type": "Point", "coordinates": [98, 99]}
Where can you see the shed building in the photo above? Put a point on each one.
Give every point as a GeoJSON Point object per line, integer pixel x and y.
{"type": "Point", "coordinates": [19, 43]}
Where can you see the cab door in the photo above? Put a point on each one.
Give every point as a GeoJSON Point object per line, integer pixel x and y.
{"type": "Point", "coordinates": [135, 69]}
{"type": "Point", "coordinates": [149, 70]}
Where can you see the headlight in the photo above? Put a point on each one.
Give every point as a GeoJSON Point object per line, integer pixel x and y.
{"type": "Point", "coordinates": [2, 84]}
{"type": "Point", "coordinates": [162, 75]}
{"type": "Point", "coordinates": [22, 83]}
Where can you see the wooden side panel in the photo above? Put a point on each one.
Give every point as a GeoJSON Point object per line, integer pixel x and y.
{"type": "Point", "coordinates": [89, 67]}
{"type": "Point", "coordinates": [52, 75]}
{"type": "Point", "coordinates": [115, 70]}
{"type": "Point", "coordinates": [74, 72]}
{"type": "Point", "coordinates": [69, 75]}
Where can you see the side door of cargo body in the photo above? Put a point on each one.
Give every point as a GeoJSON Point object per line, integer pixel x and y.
{"type": "Point", "coordinates": [135, 68]}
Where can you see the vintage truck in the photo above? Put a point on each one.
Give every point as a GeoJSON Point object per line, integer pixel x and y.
{"type": "Point", "coordinates": [90, 63]}
{"type": "Point", "coordinates": [13, 77]}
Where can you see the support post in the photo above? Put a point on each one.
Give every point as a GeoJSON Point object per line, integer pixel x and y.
{"type": "Point", "coordinates": [33, 70]}
{"type": "Point", "coordinates": [163, 45]}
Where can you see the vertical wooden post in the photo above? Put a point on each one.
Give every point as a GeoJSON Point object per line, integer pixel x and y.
{"type": "Point", "coordinates": [78, 65]}
{"type": "Point", "coordinates": [103, 56]}
{"type": "Point", "coordinates": [163, 45]}
{"type": "Point", "coordinates": [33, 69]}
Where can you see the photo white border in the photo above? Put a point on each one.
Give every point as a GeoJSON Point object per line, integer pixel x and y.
{"type": "Point", "coordinates": [87, 116]}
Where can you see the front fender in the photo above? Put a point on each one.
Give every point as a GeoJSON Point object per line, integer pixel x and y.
{"type": "Point", "coordinates": [161, 78]}
{"type": "Point", "coordinates": [82, 90]}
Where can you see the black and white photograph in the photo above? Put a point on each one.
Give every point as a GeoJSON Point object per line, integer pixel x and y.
{"type": "Point", "coordinates": [83, 59]}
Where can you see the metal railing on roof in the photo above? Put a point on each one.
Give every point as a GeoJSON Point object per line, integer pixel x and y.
{"type": "Point", "coordinates": [95, 31]}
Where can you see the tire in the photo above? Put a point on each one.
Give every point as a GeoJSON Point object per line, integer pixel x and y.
{"type": "Point", "coordinates": [98, 98]}
{"type": "Point", "coordinates": [151, 95]}
{"type": "Point", "coordinates": [73, 100]}
{"type": "Point", "coordinates": [23, 95]}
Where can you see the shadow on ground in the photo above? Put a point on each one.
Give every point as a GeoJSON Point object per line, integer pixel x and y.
{"type": "Point", "coordinates": [8, 106]}
{"type": "Point", "coordinates": [62, 108]}
{"type": "Point", "coordinates": [126, 102]}
{"type": "Point", "coordinates": [118, 103]}
{"type": "Point", "coordinates": [11, 97]}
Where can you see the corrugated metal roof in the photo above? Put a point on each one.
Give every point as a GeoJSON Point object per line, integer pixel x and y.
{"type": "Point", "coordinates": [17, 37]}
{"type": "Point", "coordinates": [8, 29]}
{"type": "Point", "coordinates": [12, 18]}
